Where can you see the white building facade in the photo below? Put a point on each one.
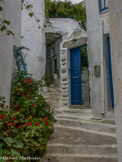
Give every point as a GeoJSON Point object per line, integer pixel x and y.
{"type": "Point", "coordinates": [99, 53]}
{"type": "Point", "coordinates": [12, 12]}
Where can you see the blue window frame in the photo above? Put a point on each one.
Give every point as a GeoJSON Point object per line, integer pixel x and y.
{"type": "Point", "coordinates": [103, 5]}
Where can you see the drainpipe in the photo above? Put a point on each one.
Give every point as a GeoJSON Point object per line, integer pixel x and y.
{"type": "Point", "coordinates": [102, 70]}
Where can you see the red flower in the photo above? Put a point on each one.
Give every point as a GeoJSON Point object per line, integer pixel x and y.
{"type": "Point", "coordinates": [19, 92]}
{"type": "Point", "coordinates": [8, 123]}
{"type": "Point", "coordinates": [14, 118]}
{"type": "Point", "coordinates": [26, 117]}
{"type": "Point", "coordinates": [28, 124]}
{"type": "Point", "coordinates": [19, 126]}
{"type": "Point", "coordinates": [29, 81]}
{"type": "Point", "coordinates": [39, 146]}
{"type": "Point", "coordinates": [1, 116]}
{"type": "Point", "coordinates": [15, 123]}
{"type": "Point", "coordinates": [27, 91]}
{"type": "Point", "coordinates": [22, 94]}
{"type": "Point", "coordinates": [47, 124]}
{"type": "Point", "coordinates": [25, 80]}
{"type": "Point", "coordinates": [16, 106]}
{"type": "Point", "coordinates": [32, 104]}
{"type": "Point", "coordinates": [37, 124]}
{"type": "Point", "coordinates": [45, 119]}
{"type": "Point", "coordinates": [29, 97]}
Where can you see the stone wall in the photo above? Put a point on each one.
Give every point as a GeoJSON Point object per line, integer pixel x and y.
{"type": "Point", "coordinates": [12, 12]}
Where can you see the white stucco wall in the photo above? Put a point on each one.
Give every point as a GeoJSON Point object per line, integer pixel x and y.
{"type": "Point", "coordinates": [116, 51]}
{"type": "Point", "coordinates": [12, 12]}
{"type": "Point", "coordinates": [97, 29]}
{"type": "Point", "coordinates": [34, 39]}
{"type": "Point", "coordinates": [61, 25]}
{"type": "Point", "coordinates": [94, 52]}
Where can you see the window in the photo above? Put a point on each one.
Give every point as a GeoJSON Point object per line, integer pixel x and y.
{"type": "Point", "coordinates": [103, 5]}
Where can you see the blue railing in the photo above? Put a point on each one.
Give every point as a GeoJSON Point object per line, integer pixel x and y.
{"type": "Point", "coordinates": [103, 5]}
{"type": "Point", "coordinates": [21, 66]}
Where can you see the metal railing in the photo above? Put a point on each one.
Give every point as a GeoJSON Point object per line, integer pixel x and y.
{"type": "Point", "coordinates": [20, 64]}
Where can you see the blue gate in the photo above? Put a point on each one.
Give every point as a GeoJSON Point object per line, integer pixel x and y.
{"type": "Point", "coordinates": [75, 66]}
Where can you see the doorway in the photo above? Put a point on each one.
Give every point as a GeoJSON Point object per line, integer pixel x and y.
{"type": "Point", "coordinates": [110, 78]}
{"type": "Point", "coordinates": [79, 77]}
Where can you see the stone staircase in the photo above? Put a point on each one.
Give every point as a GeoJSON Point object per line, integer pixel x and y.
{"type": "Point", "coordinates": [78, 137]}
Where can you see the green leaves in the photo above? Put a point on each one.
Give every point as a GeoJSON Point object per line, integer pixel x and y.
{"type": "Point", "coordinates": [18, 144]}
{"type": "Point", "coordinates": [3, 28]}
{"type": "Point", "coordinates": [8, 141]}
{"type": "Point", "coordinates": [1, 151]}
{"type": "Point", "coordinates": [18, 138]}
{"type": "Point", "coordinates": [14, 152]}
{"type": "Point", "coordinates": [59, 9]}
{"type": "Point", "coordinates": [31, 14]}
{"type": "Point", "coordinates": [1, 144]}
{"type": "Point", "coordinates": [1, 8]}
{"type": "Point", "coordinates": [6, 22]}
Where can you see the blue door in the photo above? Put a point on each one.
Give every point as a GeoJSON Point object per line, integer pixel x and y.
{"type": "Point", "coordinates": [110, 72]}
{"type": "Point", "coordinates": [75, 66]}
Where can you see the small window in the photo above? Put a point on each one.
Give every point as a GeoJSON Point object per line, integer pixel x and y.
{"type": "Point", "coordinates": [103, 5]}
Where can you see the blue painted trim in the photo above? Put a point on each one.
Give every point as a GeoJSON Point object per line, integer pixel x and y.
{"type": "Point", "coordinates": [110, 71]}
{"type": "Point", "coordinates": [100, 6]}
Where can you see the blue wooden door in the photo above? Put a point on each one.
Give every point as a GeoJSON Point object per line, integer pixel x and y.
{"type": "Point", "coordinates": [110, 72]}
{"type": "Point", "coordinates": [75, 66]}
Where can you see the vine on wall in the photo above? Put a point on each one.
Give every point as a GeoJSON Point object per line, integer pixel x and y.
{"type": "Point", "coordinates": [4, 24]}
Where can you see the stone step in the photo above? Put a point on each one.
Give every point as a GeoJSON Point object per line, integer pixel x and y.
{"type": "Point", "coordinates": [79, 158]}
{"type": "Point", "coordinates": [95, 126]}
{"type": "Point", "coordinates": [81, 149]}
{"type": "Point", "coordinates": [75, 116]}
{"type": "Point", "coordinates": [80, 136]}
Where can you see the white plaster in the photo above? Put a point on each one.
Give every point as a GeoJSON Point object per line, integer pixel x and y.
{"type": "Point", "coordinates": [12, 12]}
{"type": "Point", "coordinates": [96, 32]}
{"type": "Point", "coordinates": [34, 39]}
{"type": "Point", "coordinates": [116, 50]}
{"type": "Point", "coordinates": [61, 25]}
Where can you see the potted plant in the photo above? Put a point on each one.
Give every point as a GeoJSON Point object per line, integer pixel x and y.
{"type": "Point", "coordinates": [46, 82]}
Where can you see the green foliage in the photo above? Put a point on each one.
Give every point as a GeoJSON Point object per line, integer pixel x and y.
{"type": "Point", "coordinates": [27, 124]}
{"type": "Point", "coordinates": [84, 57]}
{"type": "Point", "coordinates": [47, 79]}
{"type": "Point", "coordinates": [60, 9]}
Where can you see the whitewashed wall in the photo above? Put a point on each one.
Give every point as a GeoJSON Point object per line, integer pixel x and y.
{"type": "Point", "coordinates": [97, 28]}
{"type": "Point", "coordinates": [116, 50]}
{"type": "Point", "coordinates": [12, 12]}
{"type": "Point", "coordinates": [34, 39]}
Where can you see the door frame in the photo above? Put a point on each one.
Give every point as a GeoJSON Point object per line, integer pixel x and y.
{"type": "Point", "coordinates": [110, 70]}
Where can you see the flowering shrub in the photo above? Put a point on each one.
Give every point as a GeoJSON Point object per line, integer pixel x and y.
{"type": "Point", "coordinates": [26, 128]}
